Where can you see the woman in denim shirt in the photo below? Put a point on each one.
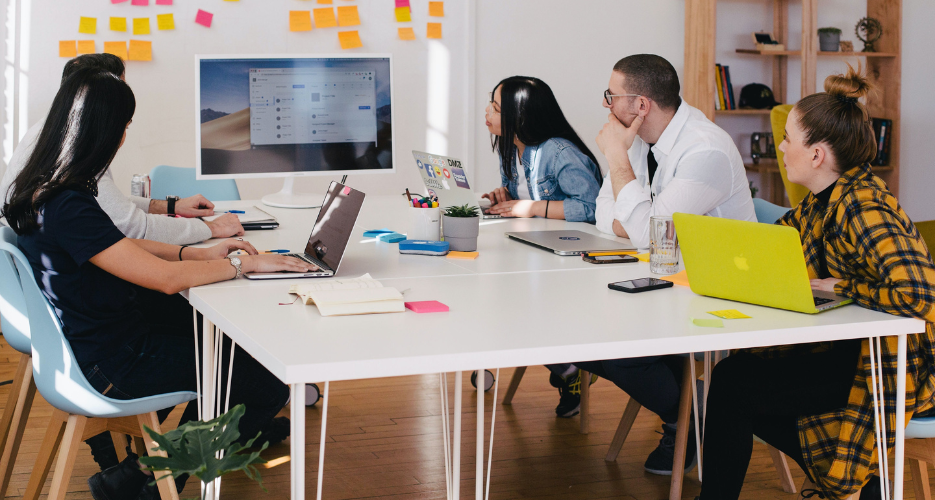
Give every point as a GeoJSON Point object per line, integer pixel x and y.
{"type": "Point", "coordinates": [558, 176]}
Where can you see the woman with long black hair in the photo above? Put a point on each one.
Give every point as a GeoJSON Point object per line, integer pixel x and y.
{"type": "Point", "coordinates": [545, 168]}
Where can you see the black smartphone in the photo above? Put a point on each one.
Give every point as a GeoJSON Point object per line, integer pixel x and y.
{"type": "Point", "coordinates": [608, 259]}
{"type": "Point", "coordinates": [640, 285]}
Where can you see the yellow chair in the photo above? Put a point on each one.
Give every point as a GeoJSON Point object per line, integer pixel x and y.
{"type": "Point", "coordinates": [927, 230]}
{"type": "Point", "coordinates": [777, 118]}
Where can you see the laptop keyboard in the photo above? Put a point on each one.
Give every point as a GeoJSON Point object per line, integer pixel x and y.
{"type": "Point", "coordinates": [302, 256]}
{"type": "Point", "coordinates": [820, 301]}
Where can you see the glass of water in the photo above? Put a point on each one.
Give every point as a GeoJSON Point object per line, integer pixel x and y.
{"type": "Point", "coordinates": [664, 245]}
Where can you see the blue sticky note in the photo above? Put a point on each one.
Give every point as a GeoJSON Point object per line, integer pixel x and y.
{"type": "Point", "coordinates": [373, 233]}
{"type": "Point", "coordinates": [391, 237]}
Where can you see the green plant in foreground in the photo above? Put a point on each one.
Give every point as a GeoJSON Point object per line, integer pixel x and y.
{"type": "Point", "coordinates": [193, 449]}
{"type": "Point", "coordinates": [462, 211]}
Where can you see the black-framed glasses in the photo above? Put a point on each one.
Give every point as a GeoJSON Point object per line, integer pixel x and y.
{"type": "Point", "coordinates": [609, 98]}
{"type": "Point", "coordinates": [493, 104]}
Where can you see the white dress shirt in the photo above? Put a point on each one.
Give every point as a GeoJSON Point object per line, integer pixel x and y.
{"type": "Point", "coordinates": [700, 172]}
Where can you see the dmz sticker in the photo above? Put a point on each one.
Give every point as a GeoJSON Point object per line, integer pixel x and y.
{"type": "Point", "coordinates": [571, 238]}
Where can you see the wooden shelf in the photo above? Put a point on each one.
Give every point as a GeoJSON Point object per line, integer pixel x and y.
{"type": "Point", "coordinates": [859, 54]}
{"type": "Point", "coordinates": [742, 112]}
{"type": "Point", "coordinates": [770, 52]}
{"type": "Point", "coordinates": [799, 53]}
{"type": "Point", "coordinates": [768, 165]}
{"type": "Point", "coordinates": [882, 168]}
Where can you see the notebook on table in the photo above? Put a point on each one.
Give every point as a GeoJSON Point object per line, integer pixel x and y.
{"type": "Point", "coordinates": [252, 218]}
{"type": "Point", "coordinates": [363, 295]}
{"type": "Point", "coordinates": [760, 264]}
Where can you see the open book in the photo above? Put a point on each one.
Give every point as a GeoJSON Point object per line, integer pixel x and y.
{"type": "Point", "coordinates": [341, 297]}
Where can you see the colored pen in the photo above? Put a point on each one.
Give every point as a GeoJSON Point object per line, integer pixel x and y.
{"type": "Point", "coordinates": [600, 254]}
{"type": "Point", "coordinates": [408, 195]}
{"type": "Point", "coordinates": [236, 212]}
{"type": "Point", "coordinates": [275, 251]}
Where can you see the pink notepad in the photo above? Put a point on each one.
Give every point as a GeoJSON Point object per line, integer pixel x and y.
{"type": "Point", "coordinates": [427, 306]}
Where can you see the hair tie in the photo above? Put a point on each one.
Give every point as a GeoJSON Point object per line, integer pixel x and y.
{"type": "Point", "coordinates": [846, 100]}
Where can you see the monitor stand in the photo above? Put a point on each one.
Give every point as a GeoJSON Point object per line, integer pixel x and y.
{"type": "Point", "coordinates": [287, 199]}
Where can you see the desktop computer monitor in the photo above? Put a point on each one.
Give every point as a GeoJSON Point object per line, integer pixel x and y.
{"type": "Point", "coordinates": [291, 116]}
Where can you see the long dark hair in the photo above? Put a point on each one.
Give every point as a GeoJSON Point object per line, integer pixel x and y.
{"type": "Point", "coordinates": [79, 140]}
{"type": "Point", "coordinates": [530, 113]}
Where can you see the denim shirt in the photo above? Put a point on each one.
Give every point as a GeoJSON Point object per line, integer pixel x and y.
{"type": "Point", "coordinates": [557, 170]}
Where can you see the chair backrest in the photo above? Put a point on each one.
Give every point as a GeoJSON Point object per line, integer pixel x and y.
{"type": "Point", "coordinates": [778, 117]}
{"type": "Point", "coordinates": [179, 181]}
{"type": "Point", "coordinates": [927, 230]}
{"type": "Point", "coordinates": [13, 318]}
{"type": "Point", "coordinates": [767, 212]}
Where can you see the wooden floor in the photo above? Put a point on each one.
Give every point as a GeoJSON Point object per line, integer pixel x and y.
{"type": "Point", "coordinates": [384, 441]}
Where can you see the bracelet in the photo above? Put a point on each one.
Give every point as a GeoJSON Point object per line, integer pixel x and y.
{"type": "Point", "coordinates": [180, 252]}
{"type": "Point", "coordinates": [546, 209]}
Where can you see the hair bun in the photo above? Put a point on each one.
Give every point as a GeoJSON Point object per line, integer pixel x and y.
{"type": "Point", "coordinates": [850, 86]}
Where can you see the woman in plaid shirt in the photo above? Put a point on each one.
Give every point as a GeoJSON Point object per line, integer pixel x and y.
{"type": "Point", "coordinates": [813, 401]}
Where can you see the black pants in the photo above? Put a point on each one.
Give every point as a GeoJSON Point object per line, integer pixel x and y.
{"type": "Point", "coordinates": [751, 396]}
{"type": "Point", "coordinates": [653, 381]}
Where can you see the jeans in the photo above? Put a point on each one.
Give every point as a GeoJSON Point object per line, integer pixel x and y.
{"type": "Point", "coordinates": [653, 381]}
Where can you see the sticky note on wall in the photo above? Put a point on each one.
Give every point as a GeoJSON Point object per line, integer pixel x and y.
{"type": "Point", "coordinates": [118, 49]}
{"type": "Point", "coordinates": [165, 21]}
{"type": "Point", "coordinates": [117, 1]}
{"type": "Point", "coordinates": [347, 16]}
{"type": "Point", "coordinates": [407, 34]}
{"type": "Point", "coordinates": [324, 2]}
{"type": "Point", "coordinates": [324, 17]}
{"type": "Point", "coordinates": [163, 2]}
{"type": "Point", "coordinates": [141, 50]}
{"type": "Point", "coordinates": [300, 20]}
{"type": "Point", "coordinates": [118, 24]}
{"type": "Point", "coordinates": [403, 14]}
{"type": "Point", "coordinates": [349, 39]}
{"type": "Point", "coordinates": [67, 48]}
{"type": "Point", "coordinates": [204, 18]}
{"type": "Point", "coordinates": [402, 3]}
{"type": "Point", "coordinates": [87, 25]}
{"type": "Point", "coordinates": [437, 9]}
{"type": "Point", "coordinates": [141, 3]}
{"type": "Point", "coordinates": [434, 30]}
{"type": "Point", "coordinates": [86, 47]}
{"type": "Point", "coordinates": [141, 26]}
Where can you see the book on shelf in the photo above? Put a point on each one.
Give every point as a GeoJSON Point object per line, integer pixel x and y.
{"type": "Point", "coordinates": [349, 296]}
{"type": "Point", "coordinates": [720, 88]}
{"type": "Point", "coordinates": [724, 100]}
{"type": "Point", "coordinates": [882, 131]}
{"type": "Point", "coordinates": [730, 87]}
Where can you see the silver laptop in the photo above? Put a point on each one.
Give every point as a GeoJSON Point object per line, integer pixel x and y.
{"type": "Point", "coordinates": [569, 242]}
{"type": "Point", "coordinates": [328, 241]}
{"type": "Point", "coordinates": [445, 179]}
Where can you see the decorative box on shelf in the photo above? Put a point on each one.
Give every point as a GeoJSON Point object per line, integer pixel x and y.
{"type": "Point", "coordinates": [765, 41]}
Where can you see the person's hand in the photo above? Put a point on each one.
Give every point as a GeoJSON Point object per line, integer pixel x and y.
{"type": "Point", "coordinates": [194, 206]}
{"type": "Point", "coordinates": [498, 195]}
{"type": "Point", "coordinates": [513, 208]}
{"type": "Point", "coordinates": [224, 248]}
{"type": "Point", "coordinates": [225, 226]}
{"type": "Point", "coordinates": [825, 285]}
{"type": "Point", "coordinates": [269, 263]}
{"type": "Point", "coordinates": [615, 138]}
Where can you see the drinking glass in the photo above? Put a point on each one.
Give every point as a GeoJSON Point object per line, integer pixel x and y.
{"type": "Point", "coordinates": [664, 245]}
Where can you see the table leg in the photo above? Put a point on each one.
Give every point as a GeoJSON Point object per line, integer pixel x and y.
{"type": "Point", "coordinates": [456, 448]}
{"type": "Point", "coordinates": [479, 474]}
{"type": "Point", "coordinates": [443, 399]}
{"type": "Point", "coordinates": [324, 435]}
{"type": "Point", "coordinates": [207, 386]}
{"type": "Point", "coordinates": [900, 416]}
{"type": "Point", "coordinates": [297, 444]}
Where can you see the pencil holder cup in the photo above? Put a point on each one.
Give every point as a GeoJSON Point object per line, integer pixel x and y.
{"type": "Point", "coordinates": [424, 223]}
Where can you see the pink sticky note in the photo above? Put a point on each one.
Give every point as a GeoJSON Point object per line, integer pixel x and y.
{"type": "Point", "coordinates": [204, 18]}
{"type": "Point", "coordinates": [346, 191]}
{"type": "Point", "coordinates": [402, 3]}
{"type": "Point", "coordinates": [141, 3]}
{"type": "Point", "coordinates": [427, 306]}
{"type": "Point", "coordinates": [163, 2]}
{"type": "Point", "coordinates": [117, 1]}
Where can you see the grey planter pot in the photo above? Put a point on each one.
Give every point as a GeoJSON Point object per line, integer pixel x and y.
{"type": "Point", "coordinates": [828, 42]}
{"type": "Point", "coordinates": [461, 233]}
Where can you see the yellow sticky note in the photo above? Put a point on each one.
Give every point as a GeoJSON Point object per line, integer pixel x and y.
{"type": "Point", "coordinates": [437, 9]}
{"type": "Point", "coordinates": [407, 34]}
{"type": "Point", "coordinates": [434, 30]}
{"type": "Point", "coordinates": [324, 17]}
{"type": "Point", "coordinates": [644, 257]}
{"type": "Point", "coordinates": [708, 323]}
{"type": "Point", "coordinates": [679, 278]}
{"type": "Point", "coordinates": [118, 49]}
{"type": "Point", "coordinates": [118, 24]}
{"type": "Point", "coordinates": [300, 20]}
{"type": "Point", "coordinates": [349, 40]}
{"type": "Point", "coordinates": [86, 47]}
{"type": "Point", "coordinates": [165, 21]}
{"type": "Point", "coordinates": [403, 15]}
{"type": "Point", "coordinates": [141, 50]}
{"type": "Point", "coordinates": [729, 314]}
{"type": "Point", "coordinates": [463, 255]}
{"type": "Point", "coordinates": [141, 26]}
{"type": "Point", "coordinates": [67, 48]}
{"type": "Point", "coordinates": [347, 16]}
{"type": "Point", "coordinates": [87, 25]}
{"type": "Point", "coordinates": [324, 2]}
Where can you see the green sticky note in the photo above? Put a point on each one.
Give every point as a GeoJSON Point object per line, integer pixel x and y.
{"type": "Point", "coordinates": [729, 314]}
{"type": "Point", "coordinates": [708, 323]}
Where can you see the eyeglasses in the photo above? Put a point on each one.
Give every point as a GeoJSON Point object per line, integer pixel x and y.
{"type": "Point", "coordinates": [609, 98]}
{"type": "Point", "coordinates": [493, 104]}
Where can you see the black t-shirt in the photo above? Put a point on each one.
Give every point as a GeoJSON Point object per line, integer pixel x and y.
{"type": "Point", "coordinates": [824, 197]}
{"type": "Point", "coordinates": [99, 311]}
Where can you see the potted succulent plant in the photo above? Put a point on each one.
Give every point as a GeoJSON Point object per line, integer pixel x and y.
{"type": "Point", "coordinates": [460, 226]}
{"type": "Point", "coordinates": [828, 39]}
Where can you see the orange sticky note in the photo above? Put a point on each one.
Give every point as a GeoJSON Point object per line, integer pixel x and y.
{"type": "Point", "coordinates": [347, 16]}
{"type": "Point", "coordinates": [679, 278]}
{"type": "Point", "coordinates": [165, 21]}
{"type": "Point", "coordinates": [463, 255]}
{"type": "Point", "coordinates": [300, 20]}
{"type": "Point", "coordinates": [437, 9]}
{"type": "Point", "coordinates": [434, 30]}
{"type": "Point", "coordinates": [118, 49]}
{"type": "Point", "coordinates": [324, 2]}
{"type": "Point", "coordinates": [118, 24]}
{"type": "Point", "coordinates": [86, 47]}
{"type": "Point", "coordinates": [407, 34]}
{"type": "Point", "coordinates": [324, 17]}
{"type": "Point", "coordinates": [67, 48]}
{"type": "Point", "coordinates": [141, 50]}
{"type": "Point", "coordinates": [141, 26]}
{"type": "Point", "coordinates": [349, 39]}
{"type": "Point", "coordinates": [87, 25]}
{"type": "Point", "coordinates": [403, 15]}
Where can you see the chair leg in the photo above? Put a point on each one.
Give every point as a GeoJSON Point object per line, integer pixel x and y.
{"type": "Point", "coordinates": [139, 446]}
{"type": "Point", "coordinates": [681, 434]}
{"type": "Point", "coordinates": [920, 479]}
{"type": "Point", "coordinates": [585, 411]}
{"type": "Point", "coordinates": [623, 429]}
{"type": "Point", "coordinates": [71, 439]}
{"type": "Point", "coordinates": [514, 384]}
{"type": "Point", "coordinates": [167, 489]}
{"type": "Point", "coordinates": [50, 444]}
{"type": "Point", "coordinates": [782, 467]}
{"type": "Point", "coordinates": [13, 424]}
{"type": "Point", "coordinates": [120, 440]}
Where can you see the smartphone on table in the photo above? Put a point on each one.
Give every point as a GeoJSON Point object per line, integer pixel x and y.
{"type": "Point", "coordinates": [639, 285]}
{"type": "Point", "coordinates": [608, 259]}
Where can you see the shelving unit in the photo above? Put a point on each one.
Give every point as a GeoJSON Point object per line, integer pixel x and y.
{"type": "Point", "coordinates": [884, 68]}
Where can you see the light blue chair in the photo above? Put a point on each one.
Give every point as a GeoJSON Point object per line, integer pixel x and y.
{"type": "Point", "coordinates": [179, 181]}
{"type": "Point", "coordinates": [920, 451]}
{"type": "Point", "coordinates": [767, 212]}
{"type": "Point", "coordinates": [80, 411]}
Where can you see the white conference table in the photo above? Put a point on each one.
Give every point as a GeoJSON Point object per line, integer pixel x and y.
{"type": "Point", "coordinates": [514, 305]}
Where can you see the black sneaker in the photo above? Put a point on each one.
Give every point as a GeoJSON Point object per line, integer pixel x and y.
{"type": "Point", "coordinates": [569, 403]}
{"type": "Point", "coordinates": [123, 481]}
{"type": "Point", "coordinates": [275, 432]}
{"type": "Point", "coordinates": [660, 460]}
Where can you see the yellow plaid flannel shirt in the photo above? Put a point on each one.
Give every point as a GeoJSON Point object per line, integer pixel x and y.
{"type": "Point", "coordinates": [873, 247]}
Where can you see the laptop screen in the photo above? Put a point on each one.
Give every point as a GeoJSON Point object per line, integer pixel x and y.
{"type": "Point", "coordinates": [335, 223]}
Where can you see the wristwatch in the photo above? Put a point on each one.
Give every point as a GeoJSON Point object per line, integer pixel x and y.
{"type": "Point", "coordinates": [236, 263]}
{"type": "Point", "coordinates": [170, 201]}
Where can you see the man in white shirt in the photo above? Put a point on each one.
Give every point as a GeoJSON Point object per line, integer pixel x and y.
{"type": "Point", "coordinates": [135, 216]}
{"type": "Point", "coordinates": [665, 156]}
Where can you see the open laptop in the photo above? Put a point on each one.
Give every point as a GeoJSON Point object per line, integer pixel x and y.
{"type": "Point", "coordinates": [569, 242]}
{"type": "Point", "coordinates": [444, 178]}
{"type": "Point", "coordinates": [760, 264]}
{"type": "Point", "coordinates": [330, 235]}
